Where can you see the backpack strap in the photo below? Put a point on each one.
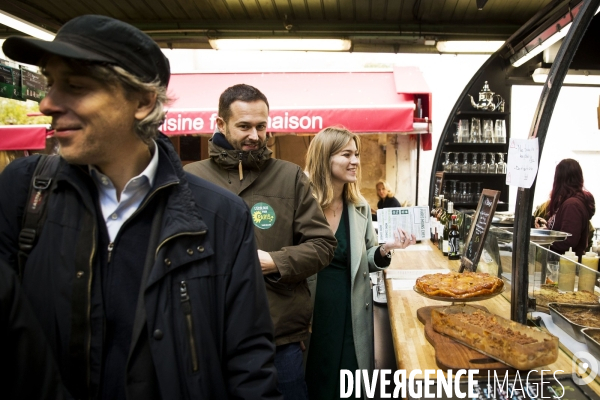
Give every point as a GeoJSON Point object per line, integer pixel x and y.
{"type": "Point", "coordinates": [35, 211]}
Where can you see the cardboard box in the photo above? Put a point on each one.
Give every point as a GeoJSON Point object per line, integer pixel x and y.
{"type": "Point", "coordinates": [414, 220]}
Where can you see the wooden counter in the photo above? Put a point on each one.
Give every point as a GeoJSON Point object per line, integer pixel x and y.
{"type": "Point", "coordinates": [411, 347]}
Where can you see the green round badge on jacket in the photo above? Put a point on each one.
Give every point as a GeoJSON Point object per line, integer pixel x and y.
{"type": "Point", "coordinates": [263, 215]}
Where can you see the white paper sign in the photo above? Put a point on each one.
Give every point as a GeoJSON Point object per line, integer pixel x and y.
{"type": "Point", "coordinates": [414, 220]}
{"type": "Point", "coordinates": [522, 164]}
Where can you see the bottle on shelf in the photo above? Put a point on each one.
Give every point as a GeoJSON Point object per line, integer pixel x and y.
{"type": "Point", "coordinates": [438, 213]}
{"type": "Point", "coordinates": [446, 222]}
{"type": "Point", "coordinates": [465, 168]}
{"type": "Point", "coordinates": [477, 193]}
{"type": "Point", "coordinates": [483, 167]}
{"type": "Point", "coordinates": [432, 225]}
{"type": "Point", "coordinates": [456, 166]}
{"type": "Point", "coordinates": [442, 216]}
{"type": "Point", "coordinates": [501, 164]}
{"type": "Point", "coordinates": [474, 165]}
{"type": "Point", "coordinates": [453, 239]}
{"type": "Point", "coordinates": [453, 192]}
{"type": "Point", "coordinates": [492, 166]}
{"type": "Point", "coordinates": [447, 165]}
{"type": "Point", "coordinates": [465, 195]}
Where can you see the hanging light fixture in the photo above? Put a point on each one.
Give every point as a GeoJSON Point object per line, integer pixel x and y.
{"type": "Point", "coordinates": [287, 44]}
{"type": "Point", "coordinates": [23, 26]}
{"type": "Point", "coordinates": [468, 46]}
{"type": "Point", "coordinates": [544, 40]}
{"type": "Point", "coordinates": [573, 77]}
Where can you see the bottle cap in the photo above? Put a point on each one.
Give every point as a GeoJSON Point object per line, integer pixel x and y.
{"type": "Point", "coordinates": [454, 217]}
{"type": "Point", "coordinates": [591, 253]}
{"type": "Point", "coordinates": [571, 254]}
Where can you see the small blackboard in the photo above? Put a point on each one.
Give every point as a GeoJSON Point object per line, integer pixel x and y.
{"type": "Point", "coordinates": [437, 188]}
{"type": "Point", "coordinates": [482, 220]}
{"type": "Point", "coordinates": [33, 85]}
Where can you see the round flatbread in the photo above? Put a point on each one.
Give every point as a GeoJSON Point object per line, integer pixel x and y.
{"type": "Point", "coordinates": [460, 285]}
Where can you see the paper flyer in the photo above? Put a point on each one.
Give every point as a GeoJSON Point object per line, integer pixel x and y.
{"type": "Point", "coordinates": [522, 163]}
{"type": "Point", "coordinates": [414, 220]}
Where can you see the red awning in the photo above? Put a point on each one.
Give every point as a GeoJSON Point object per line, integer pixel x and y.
{"type": "Point", "coordinates": [23, 137]}
{"type": "Point", "coordinates": [302, 102]}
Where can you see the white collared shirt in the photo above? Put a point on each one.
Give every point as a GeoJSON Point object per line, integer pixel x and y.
{"type": "Point", "coordinates": [116, 212]}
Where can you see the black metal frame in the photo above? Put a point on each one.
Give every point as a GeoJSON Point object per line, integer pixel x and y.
{"type": "Point", "coordinates": [499, 73]}
{"type": "Point", "coordinates": [539, 129]}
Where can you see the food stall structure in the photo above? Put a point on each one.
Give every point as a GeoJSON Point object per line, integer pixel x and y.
{"type": "Point", "coordinates": [559, 42]}
{"type": "Point", "coordinates": [365, 102]}
{"type": "Point", "coordinates": [392, 108]}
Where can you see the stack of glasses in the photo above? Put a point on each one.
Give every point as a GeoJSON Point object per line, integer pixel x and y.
{"type": "Point", "coordinates": [493, 132]}
{"type": "Point", "coordinates": [481, 163]}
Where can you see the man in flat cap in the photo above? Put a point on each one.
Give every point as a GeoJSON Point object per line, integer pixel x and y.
{"type": "Point", "coordinates": [145, 279]}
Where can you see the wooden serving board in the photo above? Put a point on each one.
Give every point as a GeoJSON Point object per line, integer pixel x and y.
{"type": "Point", "coordinates": [450, 354]}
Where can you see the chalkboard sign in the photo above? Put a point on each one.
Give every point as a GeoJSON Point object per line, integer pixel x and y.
{"type": "Point", "coordinates": [33, 86]}
{"type": "Point", "coordinates": [437, 188]}
{"type": "Point", "coordinates": [482, 220]}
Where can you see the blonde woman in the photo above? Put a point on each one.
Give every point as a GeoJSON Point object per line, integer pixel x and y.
{"type": "Point", "coordinates": [342, 330]}
{"type": "Point", "coordinates": [386, 196]}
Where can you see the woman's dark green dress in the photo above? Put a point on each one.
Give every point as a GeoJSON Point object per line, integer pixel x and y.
{"type": "Point", "coordinates": [332, 343]}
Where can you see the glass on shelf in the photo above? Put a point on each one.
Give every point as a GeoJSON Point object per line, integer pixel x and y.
{"type": "Point", "coordinates": [469, 193]}
{"type": "Point", "coordinates": [477, 193]}
{"type": "Point", "coordinates": [465, 196]}
{"type": "Point", "coordinates": [456, 134]}
{"type": "Point", "coordinates": [500, 131]}
{"type": "Point", "coordinates": [447, 165]}
{"type": "Point", "coordinates": [488, 131]}
{"type": "Point", "coordinates": [446, 191]}
{"type": "Point", "coordinates": [465, 168]}
{"type": "Point", "coordinates": [453, 192]}
{"type": "Point", "coordinates": [455, 166]}
{"type": "Point", "coordinates": [492, 167]}
{"type": "Point", "coordinates": [474, 165]}
{"type": "Point", "coordinates": [483, 167]}
{"type": "Point", "coordinates": [475, 130]}
{"type": "Point", "coordinates": [501, 164]}
{"type": "Point", "coordinates": [463, 131]}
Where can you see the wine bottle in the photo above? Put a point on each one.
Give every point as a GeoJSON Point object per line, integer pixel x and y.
{"type": "Point", "coordinates": [453, 240]}
{"type": "Point", "coordinates": [444, 226]}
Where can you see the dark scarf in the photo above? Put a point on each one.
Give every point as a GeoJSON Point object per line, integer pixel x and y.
{"type": "Point", "coordinates": [220, 140]}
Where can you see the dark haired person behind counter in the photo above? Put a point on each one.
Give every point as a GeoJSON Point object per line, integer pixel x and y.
{"type": "Point", "coordinates": [570, 209]}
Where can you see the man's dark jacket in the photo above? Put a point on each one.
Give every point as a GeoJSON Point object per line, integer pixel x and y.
{"type": "Point", "coordinates": [300, 240]}
{"type": "Point", "coordinates": [26, 361]}
{"type": "Point", "coordinates": [206, 239]}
